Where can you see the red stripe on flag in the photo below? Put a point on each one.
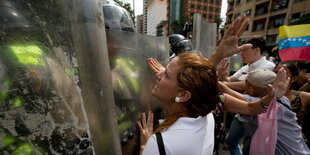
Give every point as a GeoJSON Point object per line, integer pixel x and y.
{"type": "Point", "coordinates": [295, 53]}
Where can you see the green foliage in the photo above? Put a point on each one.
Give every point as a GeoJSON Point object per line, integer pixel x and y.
{"type": "Point", "coordinates": [127, 7]}
{"type": "Point", "coordinates": [304, 19]}
{"type": "Point", "coordinates": [218, 20]}
{"type": "Point", "coordinates": [177, 26]}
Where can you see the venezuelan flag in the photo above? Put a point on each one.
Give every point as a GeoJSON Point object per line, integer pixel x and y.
{"type": "Point", "coordinates": [294, 42]}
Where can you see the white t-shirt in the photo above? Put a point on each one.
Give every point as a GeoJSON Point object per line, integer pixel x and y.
{"type": "Point", "coordinates": [187, 136]}
{"type": "Point", "coordinates": [262, 63]}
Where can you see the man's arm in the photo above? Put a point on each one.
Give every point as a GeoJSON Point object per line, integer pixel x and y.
{"type": "Point", "coordinates": [238, 86]}
{"type": "Point", "coordinates": [229, 43]}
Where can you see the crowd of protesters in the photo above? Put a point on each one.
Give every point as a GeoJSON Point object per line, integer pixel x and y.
{"type": "Point", "coordinates": [191, 89]}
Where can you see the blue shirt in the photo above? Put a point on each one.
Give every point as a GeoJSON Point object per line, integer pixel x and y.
{"type": "Point", "coordinates": [290, 140]}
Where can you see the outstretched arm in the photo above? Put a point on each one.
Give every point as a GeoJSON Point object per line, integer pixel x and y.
{"type": "Point", "coordinates": [277, 89]}
{"type": "Point", "coordinates": [229, 43]}
{"type": "Point", "coordinates": [222, 70]}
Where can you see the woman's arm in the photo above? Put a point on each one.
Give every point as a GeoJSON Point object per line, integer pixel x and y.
{"type": "Point", "coordinates": [277, 89]}
{"type": "Point", "coordinates": [146, 129]}
{"type": "Point", "coordinates": [225, 89]}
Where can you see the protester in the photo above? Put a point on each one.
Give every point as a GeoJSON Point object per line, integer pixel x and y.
{"type": "Point", "coordinates": [300, 100]}
{"type": "Point", "coordinates": [254, 60]}
{"type": "Point", "coordinates": [188, 88]}
{"type": "Point", "coordinates": [256, 82]}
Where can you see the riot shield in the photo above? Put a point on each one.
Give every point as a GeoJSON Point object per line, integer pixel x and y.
{"type": "Point", "coordinates": [61, 91]}
{"type": "Point", "coordinates": [132, 80]}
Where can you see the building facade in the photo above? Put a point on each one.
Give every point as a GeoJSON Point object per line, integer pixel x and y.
{"type": "Point", "coordinates": [266, 16]}
{"type": "Point", "coordinates": [139, 23]}
{"type": "Point", "coordinates": [156, 14]}
{"type": "Point", "coordinates": [177, 9]}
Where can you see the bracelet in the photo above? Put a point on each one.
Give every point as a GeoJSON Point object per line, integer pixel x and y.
{"type": "Point", "coordinates": [264, 105]}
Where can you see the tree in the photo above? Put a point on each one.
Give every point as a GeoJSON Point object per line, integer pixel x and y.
{"type": "Point", "coordinates": [127, 7]}
{"type": "Point", "coordinates": [175, 26]}
{"type": "Point", "coordinates": [218, 20]}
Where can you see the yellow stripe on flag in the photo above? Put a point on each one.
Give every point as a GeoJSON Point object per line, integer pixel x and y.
{"type": "Point", "coordinates": [294, 31]}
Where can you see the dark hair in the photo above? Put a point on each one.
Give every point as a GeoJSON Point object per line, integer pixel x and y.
{"type": "Point", "coordinates": [198, 76]}
{"type": "Point", "coordinates": [257, 42]}
{"type": "Point", "coordinates": [291, 66]}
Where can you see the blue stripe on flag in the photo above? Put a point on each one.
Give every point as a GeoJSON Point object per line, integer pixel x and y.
{"type": "Point", "coordinates": [294, 42]}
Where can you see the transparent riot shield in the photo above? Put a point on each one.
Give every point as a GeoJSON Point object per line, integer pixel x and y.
{"type": "Point", "coordinates": [132, 80]}
{"type": "Point", "coordinates": [67, 85]}
{"type": "Point", "coordinates": [41, 106]}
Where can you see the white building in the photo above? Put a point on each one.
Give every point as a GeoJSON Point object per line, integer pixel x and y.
{"type": "Point", "coordinates": [156, 12]}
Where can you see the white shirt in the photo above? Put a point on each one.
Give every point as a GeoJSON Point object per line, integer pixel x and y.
{"type": "Point", "coordinates": [187, 136]}
{"type": "Point", "coordinates": [262, 63]}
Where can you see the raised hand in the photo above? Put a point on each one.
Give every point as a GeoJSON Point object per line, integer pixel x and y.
{"type": "Point", "coordinates": [155, 65]}
{"type": "Point", "coordinates": [229, 43]}
{"type": "Point", "coordinates": [222, 70]}
{"type": "Point", "coordinates": [146, 128]}
{"type": "Point", "coordinates": [280, 84]}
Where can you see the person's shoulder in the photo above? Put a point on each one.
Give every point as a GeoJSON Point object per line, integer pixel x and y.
{"type": "Point", "coordinates": [305, 97]}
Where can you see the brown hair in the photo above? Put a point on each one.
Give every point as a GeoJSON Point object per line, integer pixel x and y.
{"type": "Point", "coordinates": [198, 76]}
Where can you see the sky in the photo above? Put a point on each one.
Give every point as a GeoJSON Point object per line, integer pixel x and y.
{"type": "Point", "coordinates": [139, 7]}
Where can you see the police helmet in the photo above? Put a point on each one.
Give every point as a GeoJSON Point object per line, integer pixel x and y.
{"type": "Point", "coordinates": [116, 17]}
{"type": "Point", "coordinates": [178, 44]}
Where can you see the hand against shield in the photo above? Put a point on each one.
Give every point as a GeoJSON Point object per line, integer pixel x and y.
{"type": "Point", "coordinates": [155, 65]}
{"type": "Point", "coordinates": [146, 128]}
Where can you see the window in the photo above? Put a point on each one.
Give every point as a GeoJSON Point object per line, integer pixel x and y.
{"type": "Point", "coordinates": [205, 0]}
{"type": "Point", "coordinates": [217, 2]}
{"type": "Point", "coordinates": [296, 16]}
{"type": "Point", "coordinates": [192, 14]}
{"type": "Point", "coordinates": [211, 9]}
{"type": "Point", "coordinates": [271, 38]}
{"type": "Point", "coordinates": [210, 16]}
{"type": "Point", "coordinates": [261, 9]}
{"type": "Point", "coordinates": [211, 1]}
{"type": "Point", "coordinates": [216, 9]}
{"type": "Point", "coordinates": [248, 12]}
{"type": "Point", "coordinates": [198, 7]}
{"type": "Point", "coordinates": [204, 15]}
{"type": "Point", "coordinates": [259, 27]}
{"type": "Point", "coordinates": [204, 7]}
{"type": "Point", "coordinates": [238, 2]}
{"type": "Point", "coordinates": [192, 6]}
{"type": "Point", "coordinates": [276, 21]}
